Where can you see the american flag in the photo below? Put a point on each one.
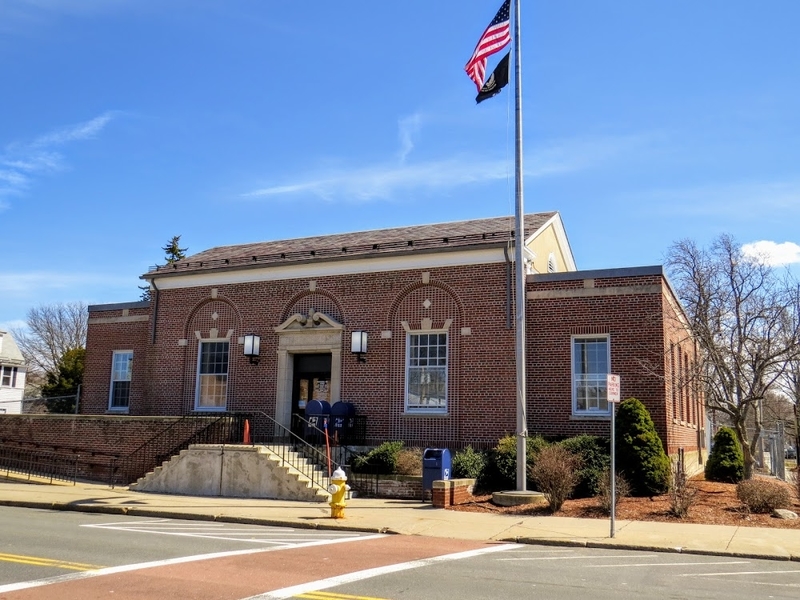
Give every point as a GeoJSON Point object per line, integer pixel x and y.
{"type": "Point", "coordinates": [495, 38]}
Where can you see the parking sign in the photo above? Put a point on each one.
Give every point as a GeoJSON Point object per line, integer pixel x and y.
{"type": "Point", "coordinates": [612, 387]}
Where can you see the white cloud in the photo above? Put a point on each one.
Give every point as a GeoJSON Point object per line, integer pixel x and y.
{"type": "Point", "coordinates": [20, 161]}
{"type": "Point", "coordinates": [773, 253]}
{"type": "Point", "coordinates": [409, 129]}
{"type": "Point", "coordinates": [382, 181]}
{"type": "Point", "coordinates": [73, 133]}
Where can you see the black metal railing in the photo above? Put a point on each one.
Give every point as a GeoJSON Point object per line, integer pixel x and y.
{"type": "Point", "coordinates": [40, 464]}
{"type": "Point", "coordinates": [225, 428]}
{"type": "Point", "coordinates": [313, 460]}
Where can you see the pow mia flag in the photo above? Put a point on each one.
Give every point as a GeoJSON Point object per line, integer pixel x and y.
{"type": "Point", "coordinates": [496, 82]}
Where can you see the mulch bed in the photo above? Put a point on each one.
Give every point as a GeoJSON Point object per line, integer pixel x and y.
{"type": "Point", "coordinates": [715, 504]}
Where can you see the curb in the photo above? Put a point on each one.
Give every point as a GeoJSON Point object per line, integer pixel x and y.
{"type": "Point", "coordinates": [569, 543]}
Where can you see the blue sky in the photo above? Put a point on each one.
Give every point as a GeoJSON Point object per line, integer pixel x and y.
{"type": "Point", "coordinates": [126, 122]}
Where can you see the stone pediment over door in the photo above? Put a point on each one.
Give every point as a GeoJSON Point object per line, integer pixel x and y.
{"type": "Point", "coordinates": [313, 320]}
{"type": "Point", "coordinates": [314, 333]}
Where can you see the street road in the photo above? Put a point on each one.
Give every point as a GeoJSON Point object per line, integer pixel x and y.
{"type": "Point", "coordinates": [66, 555]}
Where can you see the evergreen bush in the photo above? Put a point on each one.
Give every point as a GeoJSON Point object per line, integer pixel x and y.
{"type": "Point", "coordinates": [595, 458]}
{"type": "Point", "coordinates": [502, 468]}
{"type": "Point", "coordinates": [726, 461]}
{"type": "Point", "coordinates": [469, 464]}
{"type": "Point", "coordinates": [640, 455]}
{"type": "Point", "coordinates": [382, 459]}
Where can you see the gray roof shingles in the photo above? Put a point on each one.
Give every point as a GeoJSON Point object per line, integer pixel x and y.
{"type": "Point", "coordinates": [424, 238]}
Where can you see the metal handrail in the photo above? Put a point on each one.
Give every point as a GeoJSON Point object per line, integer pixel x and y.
{"type": "Point", "coordinates": [190, 429]}
{"type": "Point", "coordinates": [41, 464]}
{"type": "Point", "coordinates": [295, 452]}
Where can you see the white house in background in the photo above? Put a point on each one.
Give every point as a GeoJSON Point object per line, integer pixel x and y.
{"type": "Point", "coordinates": [12, 375]}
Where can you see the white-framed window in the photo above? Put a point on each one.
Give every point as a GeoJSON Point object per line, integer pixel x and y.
{"type": "Point", "coordinates": [8, 376]}
{"type": "Point", "coordinates": [212, 375]}
{"type": "Point", "coordinates": [121, 368]}
{"type": "Point", "coordinates": [426, 372]}
{"type": "Point", "coordinates": [591, 361]}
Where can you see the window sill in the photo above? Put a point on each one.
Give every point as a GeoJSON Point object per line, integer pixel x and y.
{"type": "Point", "coordinates": [198, 409]}
{"type": "Point", "coordinates": [118, 411]}
{"type": "Point", "coordinates": [423, 413]}
{"type": "Point", "coordinates": [586, 417]}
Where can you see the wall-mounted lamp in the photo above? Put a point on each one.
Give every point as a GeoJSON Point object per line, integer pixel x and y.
{"type": "Point", "coordinates": [252, 347]}
{"type": "Point", "coordinates": [358, 345]}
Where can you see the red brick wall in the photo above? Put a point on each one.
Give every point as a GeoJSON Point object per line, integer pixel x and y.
{"type": "Point", "coordinates": [481, 376]}
{"type": "Point", "coordinates": [107, 435]}
{"type": "Point", "coordinates": [471, 296]}
{"type": "Point", "coordinates": [684, 401]}
{"type": "Point", "coordinates": [101, 341]}
{"type": "Point", "coordinates": [633, 322]}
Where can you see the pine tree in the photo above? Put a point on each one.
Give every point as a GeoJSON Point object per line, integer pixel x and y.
{"type": "Point", "coordinates": [640, 455]}
{"type": "Point", "coordinates": [173, 251]}
{"type": "Point", "coordinates": [62, 384]}
{"type": "Point", "coordinates": [726, 462]}
{"type": "Point", "coordinates": [172, 254]}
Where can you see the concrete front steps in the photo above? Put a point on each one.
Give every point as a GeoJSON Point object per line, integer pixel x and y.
{"type": "Point", "coordinates": [234, 471]}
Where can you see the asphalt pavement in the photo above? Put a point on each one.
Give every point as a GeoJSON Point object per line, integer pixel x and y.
{"type": "Point", "coordinates": [406, 517]}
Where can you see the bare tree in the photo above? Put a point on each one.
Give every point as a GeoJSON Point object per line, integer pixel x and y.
{"type": "Point", "coordinates": [52, 330]}
{"type": "Point", "coordinates": [737, 307]}
{"type": "Point", "coordinates": [789, 382]}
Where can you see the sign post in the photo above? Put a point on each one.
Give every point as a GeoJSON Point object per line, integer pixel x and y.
{"type": "Point", "coordinates": [612, 393]}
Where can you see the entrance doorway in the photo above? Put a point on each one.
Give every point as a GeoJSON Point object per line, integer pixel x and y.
{"type": "Point", "coordinates": [312, 381]}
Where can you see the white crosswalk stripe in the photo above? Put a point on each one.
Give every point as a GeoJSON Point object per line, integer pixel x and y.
{"type": "Point", "coordinates": [256, 534]}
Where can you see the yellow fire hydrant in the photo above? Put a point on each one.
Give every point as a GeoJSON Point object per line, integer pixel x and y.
{"type": "Point", "coordinates": [338, 490]}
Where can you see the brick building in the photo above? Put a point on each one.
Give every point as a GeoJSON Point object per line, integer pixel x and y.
{"type": "Point", "coordinates": [435, 304]}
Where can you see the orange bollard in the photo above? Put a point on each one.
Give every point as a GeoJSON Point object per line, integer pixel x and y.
{"type": "Point", "coordinates": [246, 438]}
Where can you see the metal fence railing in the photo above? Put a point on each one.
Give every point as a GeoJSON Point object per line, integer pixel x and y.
{"type": "Point", "coordinates": [308, 454]}
{"type": "Point", "coordinates": [225, 428]}
{"type": "Point", "coordinates": [36, 464]}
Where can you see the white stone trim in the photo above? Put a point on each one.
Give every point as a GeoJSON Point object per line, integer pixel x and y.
{"type": "Point", "coordinates": [333, 268]}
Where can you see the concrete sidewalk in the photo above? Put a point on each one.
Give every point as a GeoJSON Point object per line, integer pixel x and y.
{"type": "Point", "coordinates": [413, 518]}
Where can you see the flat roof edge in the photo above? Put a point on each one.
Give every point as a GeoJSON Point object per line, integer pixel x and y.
{"type": "Point", "coordinates": [599, 273]}
{"type": "Point", "coordinates": [119, 306]}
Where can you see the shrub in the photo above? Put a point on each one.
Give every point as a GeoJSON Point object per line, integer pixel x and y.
{"type": "Point", "coordinates": [726, 462]}
{"type": "Point", "coordinates": [470, 464]}
{"type": "Point", "coordinates": [681, 495]}
{"type": "Point", "coordinates": [555, 473]}
{"type": "Point", "coordinates": [595, 458]}
{"type": "Point", "coordinates": [409, 462]}
{"type": "Point", "coordinates": [382, 459]}
{"type": "Point", "coordinates": [502, 468]}
{"type": "Point", "coordinates": [763, 495]}
{"type": "Point", "coordinates": [622, 489]}
{"type": "Point", "coordinates": [639, 452]}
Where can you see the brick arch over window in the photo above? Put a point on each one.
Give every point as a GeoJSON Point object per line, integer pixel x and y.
{"type": "Point", "coordinates": [214, 318]}
{"type": "Point", "coordinates": [424, 307]}
{"type": "Point", "coordinates": [318, 301]}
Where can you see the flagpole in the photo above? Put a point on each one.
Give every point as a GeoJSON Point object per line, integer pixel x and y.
{"type": "Point", "coordinates": [519, 257]}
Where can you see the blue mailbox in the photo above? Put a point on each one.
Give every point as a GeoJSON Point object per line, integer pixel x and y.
{"type": "Point", "coordinates": [342, 420]}
{"type": "Point", "coordinates": [436, 464]}
{"type": "Point", "coordinates": [317, 414]}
